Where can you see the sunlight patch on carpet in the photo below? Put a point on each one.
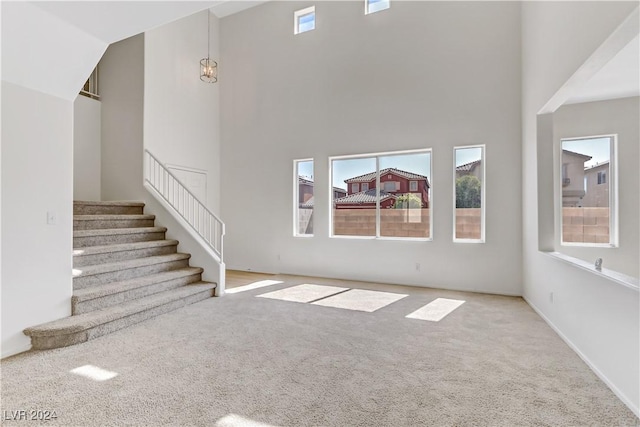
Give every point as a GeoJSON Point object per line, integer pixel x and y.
{"type": "Point", "coordinates": [254, 285]}
{"type": "Point", "coordinates": [361, 300]}
{"type": "Point", "coordinates": [233, 420]}
{"type": "Point", "coordinates": [94, 373]}
{"type": "Point", "coordinates": [436, 310]}
{"type": "Point", "coordinates": [303, 293]}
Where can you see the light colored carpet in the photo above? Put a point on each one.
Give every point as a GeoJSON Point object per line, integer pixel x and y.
{"type": "Point", "coordinates": [240, 360]}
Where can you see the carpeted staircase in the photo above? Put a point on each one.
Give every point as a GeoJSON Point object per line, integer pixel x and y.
{"type": "Point", "coordinates": [125, 271]}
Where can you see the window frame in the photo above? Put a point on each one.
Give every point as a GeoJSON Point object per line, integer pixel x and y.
{"type": "Point", "coordinates": [296, 196]}
{"type": "Point", "coordinates": [367, 4]}
{"type": "Point", "coordinates": [483, 195]}
{"type": "Point", "coordinates": [300, 14]}
{"type": "Point", "coordinates": [413, 184]}
{"type": "Point", "coordinates": [376, 156]}
{"type": "Point", "coordinates": [612, 182]}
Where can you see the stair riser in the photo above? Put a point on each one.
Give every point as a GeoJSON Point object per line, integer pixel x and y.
{"type": "Point", "coordinates": [111, 223]}
{"type": "Point", "coordinates": [82, 260]}
{"type": "Point", "coordinates": [83, 242]}
{"type": "Point", "coordinates": [48, 342]}
{"type": "Point", "coordinates": [82, 282]}
{"type": "Point", "coordinates": [107, 210]}
{"type": "Point", "coordinates": [111, 300]}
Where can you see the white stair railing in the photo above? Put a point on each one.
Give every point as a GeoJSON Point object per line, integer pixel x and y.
{"type": "Point", "coordinates": [204, 222]}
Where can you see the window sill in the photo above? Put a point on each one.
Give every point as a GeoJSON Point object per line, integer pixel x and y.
{"type": "Point", "coordinates": [395, 239]}
{"type": "Point", "coordinates": [620, 278]}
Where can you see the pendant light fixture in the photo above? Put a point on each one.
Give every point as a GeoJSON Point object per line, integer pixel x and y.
{"type": "Point", "coordinates": [208, 67]}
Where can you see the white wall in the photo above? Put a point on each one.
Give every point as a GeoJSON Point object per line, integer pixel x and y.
{"type": "Point", "coordinates": [181, 113]}
{"type": "Point", "coordinates": [618, 116]}
{"type": "Point", "coordinates": [596, 316]}
{"type": "Point", "coordinates": [406, 78]}
{"type": "Point", "coordinates": [36, 179]}
{"type": "Point", "coordinates": [86, 148]}
{"type": "Point", "coordinates": [42, 52]}
{"type": "Point", "coordinates": [122, 96]}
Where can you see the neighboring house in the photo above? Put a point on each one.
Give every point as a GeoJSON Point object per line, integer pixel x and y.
{"type": "Point", "coordinates": [472, 168]}
{"type": "Point", "coordinates": [573, 189]}
{"type": "Point", "coordinates": [339, 192]}
{"type": "Point", "coordinates": [305, 189]}
{"type": "Point", "coordinates": [305, 192]}
{"type": "Point", "coordinates": [366, 200]}
{"type": "Point", "coordinates": [393, 182]}
{"type": "Point", "coordinates": [596, 184]}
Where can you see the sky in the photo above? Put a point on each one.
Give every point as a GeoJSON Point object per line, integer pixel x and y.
{"type": "Point", "coordinates": [597, 148]}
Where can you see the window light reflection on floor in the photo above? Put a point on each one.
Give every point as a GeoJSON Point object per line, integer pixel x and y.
{"type": "Point", "coordinates": [233, 420]}
{"type": "Point", "coordinates": [436, 310]}
{"type": "Point", "coordinates": [94, 373]}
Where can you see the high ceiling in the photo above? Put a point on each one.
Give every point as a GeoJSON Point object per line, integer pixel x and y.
{"type": "Point", "coordinates": [619, 78]}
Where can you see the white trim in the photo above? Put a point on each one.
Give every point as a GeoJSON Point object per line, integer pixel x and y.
{"type": "Point", "coordinates": [613, 192]}
{"type": "Point", "coordinates": [483, 196]}
{"type": "Point", "coordinates": [301, 13]}
{"type": "Point", "coordinates": [635, 409]}
{"type": "Point", "coordinates": [17, 350]}
{"type": "Point", "coordinates": [296, 194]}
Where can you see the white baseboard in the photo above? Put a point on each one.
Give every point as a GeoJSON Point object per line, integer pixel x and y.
{"type": "Point", "coordinates": [14, 351]}
{"type": "Point", "coordinates": [631, 405]}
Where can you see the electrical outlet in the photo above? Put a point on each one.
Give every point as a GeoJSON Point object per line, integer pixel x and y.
{"type": "Point", "coordinates": [417, 266]}
{"type": "Point", "coordinates": [551, 297]}
{"type": "Point", "coordinates": [51, 218]}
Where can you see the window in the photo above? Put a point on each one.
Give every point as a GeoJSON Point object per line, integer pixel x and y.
{"type": "Point", "coordinates": [304, 20]}
{"type": "Point", "coordinates": [413, 185]}
{"type": "Point", "coordinates": [354, 188]}
{"type": "Point", "coordinates": [469, 206]}
{"type": "Point", "coordinates": [371, 6]}
{"type": "Point", "coordinates": [387, 209]}
{"type": "Point", "coordinates": [588, 216]}
{"type": "Point", "coordinates": [365, 186]}
{"type": "Point", "coordinates": [303, 200]}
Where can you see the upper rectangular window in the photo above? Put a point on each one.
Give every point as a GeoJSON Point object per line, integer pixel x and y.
{"type": "Point", "coordinates": [413, 185]}
{"type": "Point", "coordinates": [371, 6]}
{"type": "Point", "coordinates": [303, 200]}
{"type": "Point", "coordinates": [469, 206]}
{"type": "Point", "coordinates": [387, 208]}
{"type": "Point", "coordinates": [304, 20]}
{"type": "Point", "coordinates": [588, 216]}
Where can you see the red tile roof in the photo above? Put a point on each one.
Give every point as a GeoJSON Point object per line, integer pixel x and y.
{"type": "Point", "coordinates": [368, 177]}
{"type": "Point", "coordinates": [368, 196]}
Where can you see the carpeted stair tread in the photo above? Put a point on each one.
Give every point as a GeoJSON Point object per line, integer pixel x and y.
{"type": "Point", "coordinates": [117, 231]}
{"type": "Point", "coordinates": [81, 322]}
{"type": "Point", "coordinates": [84, 217]}
{"type": "Point", "coordinates": [111, 203]}
{"type": "Point", "coordinates": [121, 247]}
{"type": "Point", "coordinates": [99, 291]}
{"type": "Point", "coordinates": [91, 270]}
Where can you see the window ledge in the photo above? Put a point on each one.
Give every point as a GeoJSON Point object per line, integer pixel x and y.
{"type": "Point", "coordinates": [615, 276]}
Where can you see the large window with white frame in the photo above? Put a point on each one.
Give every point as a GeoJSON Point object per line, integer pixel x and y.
{"type": "Point", "coordinates": [588, 202]}
{"type": "Point", "coordinates": [380, 199]}
{"type": "Point", "coordinates": [303, 199]}
{"type": "Point", "coordinates": [469, 194]}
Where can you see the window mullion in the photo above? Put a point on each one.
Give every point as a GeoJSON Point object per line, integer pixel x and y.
{"type": "Point", "coordinates": [377, 197]}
